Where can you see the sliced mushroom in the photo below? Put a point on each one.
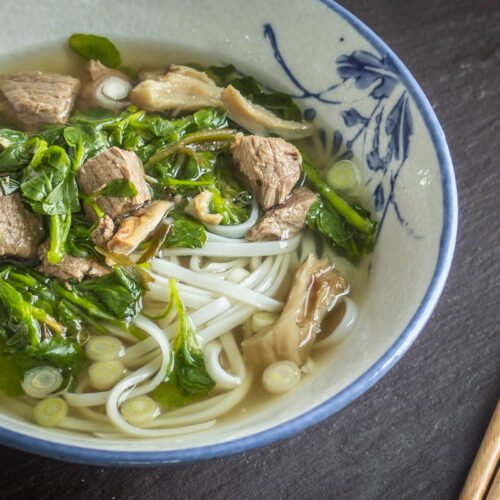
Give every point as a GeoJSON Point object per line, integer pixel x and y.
{"type": "Point", "coordinates": [161, 74]}
{"type": "Point", "coordinates": [134, 229]}
{"type": "Point", "coordinates": [176, 92]}
{"type": "Point", "coordinates": [191, 73]}
{"type": "Point", "coordinates": [315, 291]}
{"type": "Point", "coordinates": [105, 88]}
{"type": "Point", "coordinates": [259, 120]}
{"type": "Point", "coordinates": [199, 208]}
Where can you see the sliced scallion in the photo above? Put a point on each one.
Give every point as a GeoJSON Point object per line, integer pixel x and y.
{"type": "Point", "coordinates": [41, 381]}
{"type": "Point", "coordinates": [50, 412]}
{"type": "Point", "coordinates": [344, 176]}
{"type": "Point", "coordinates": [140, 411]}
{"type": "Point", "coordinates": [261, 319]}
{"type": "Point", "coordinates": [281, 376]}
{"type": "Point", "coordinates": [103, 375]}
{"type": "Point", "coordinates": [104, 348]}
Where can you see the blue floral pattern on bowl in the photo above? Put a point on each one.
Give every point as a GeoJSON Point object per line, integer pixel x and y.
{"type": "Point", "coordinates": [380, 133]}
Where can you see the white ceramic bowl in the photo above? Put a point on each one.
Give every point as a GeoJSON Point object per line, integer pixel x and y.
{"type": "Point", "coordinates": [365, 103]}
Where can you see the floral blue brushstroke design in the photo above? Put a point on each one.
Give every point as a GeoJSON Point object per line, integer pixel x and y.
{"type": "Point", "coordinates": [378, 119]}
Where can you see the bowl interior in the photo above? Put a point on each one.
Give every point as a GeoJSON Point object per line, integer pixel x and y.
{"type": "Point", "coordinates": [365, 105]}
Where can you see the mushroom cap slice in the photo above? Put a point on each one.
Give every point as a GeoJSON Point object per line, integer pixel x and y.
{"type": "Point", "coordinates": [259, 120]}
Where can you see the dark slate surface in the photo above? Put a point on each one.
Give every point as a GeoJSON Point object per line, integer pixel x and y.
{"type": "Point", "coordinates": [415, 434]}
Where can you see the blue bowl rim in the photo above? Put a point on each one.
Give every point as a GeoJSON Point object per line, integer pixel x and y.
{"type": "Point", "coordinates": [364, 381]}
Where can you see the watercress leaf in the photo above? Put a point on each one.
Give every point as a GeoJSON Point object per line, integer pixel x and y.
{"type": "Point", "coordinates": [95, 47]}
{"type": "Point", "coordinates": [10, 376]}
{"type": "Point", "coordinates": [210, 118]}
{"type": "Point", "coordinates": [186, 233]}
{"type": "Point", "coordinates": [191, 373]}
{"type": "Point", "coordinates": [119, 188]}
{"type": "Point", "coordinates": [17, 153]}
{"type": "Point", "coordinates": [9, 185]}
{"type": "Point", "coordinates": [170, 395]}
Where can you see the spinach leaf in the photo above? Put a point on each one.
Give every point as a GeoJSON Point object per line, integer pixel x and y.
{"type": "Point", "coordinates": [119, 293]}
{"type": "Point", "coordinates": [330, 224]}
{"type": "Point", "coordinates": [171, 395]}
{"type": "Point", "coordinates": [117, 188]}
{"type": "Point", "coordinates": [188, 379]}
{"type": "Point", "coordinates": [186, 233]}
{"type": "Point", "coordinates": [17, 154]}
{"type": "Point", "coordinates": [95, 47]}
{"type": "Point", "coordinates": [9, 185]}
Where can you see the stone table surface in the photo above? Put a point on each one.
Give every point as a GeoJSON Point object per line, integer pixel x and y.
{"type": "Point", "coordinates": [415, 433]}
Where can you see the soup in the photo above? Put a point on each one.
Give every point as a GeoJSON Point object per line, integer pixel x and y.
{"type": "Point", "coordinates": [166, 245]}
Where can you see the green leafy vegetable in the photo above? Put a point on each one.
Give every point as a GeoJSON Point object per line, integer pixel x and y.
{"type": "Point", "coordinates": [119, 292]}
{"type": "Point", "coordinates": [17, 154]}
{"type": "Point", "coordinates": [95, 47]}
{"type": "Point", "coordinates": [188, 379]}
{"type": "Point", "coordinates": [360, 222]}
{"type": "Point", "coordinates": [186, 233]}
{"type": "Point", "coordinates": [49, 186]}
{"type": "Point", "coordinates": [117, 188]}
{"type": "Point", "coordinates": [344, 225]}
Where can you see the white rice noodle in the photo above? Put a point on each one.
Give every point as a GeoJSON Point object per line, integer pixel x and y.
{"type": "Point", "coordinates": [238, 230]}
{"type": "Point", "coordinates": [239, 314]}
{"type": "Point", "coordinates": [222, 378]}
{"type": "Point", "coordinates": [343, 328]}
{"type": "Point", "coordinates": [255, 263]}
{"type": "Point", "coordinates": [120, 332]}
{"type": "Point", "coordinates": [248, 249]}
{"type": "Point", "coordinates": [231, 290]}
{"type": "Point", "coordinates": [198, 317]}
{"type": "Point", "coordinates": [216, 267]}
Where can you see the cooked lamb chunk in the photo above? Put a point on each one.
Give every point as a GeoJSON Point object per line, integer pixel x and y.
{"type": "Point", "coordinates": [114, 163]}
{"type": "Point", "coordinates": [259, 120]}
{"type": "Point", "coordinates": [103, 231]}
{"type": "Point", "coordinates": [177, 91]}
{"type": "Point", "coordinates": [198, 207]}
{"type": "Point", "coordinates": [36, 99]}
{"type": "Point", "coordinates": [69, 267]}
{"type": "Point", "coordinates": [315, 291]}
{"type": "Point", "coordinates": [105, 88]}
{"type": "Point", "coordinates": [284, 221]}
{"type": "Point", "coordinates": [21, 231]}
{"type": "Point", "coordinates": [270, 166]}
{"type": "Point", "coordinates": [135, 228]}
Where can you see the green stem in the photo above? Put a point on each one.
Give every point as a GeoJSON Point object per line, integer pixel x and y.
{"type": "Point", "coordinates": [350, 215]}
{"type": "Point", "coordinates": [200, 136]}
{"type": "Point", "coordinates": [59, 230]}
{"type": "Point", "coordinates": [85, 304]}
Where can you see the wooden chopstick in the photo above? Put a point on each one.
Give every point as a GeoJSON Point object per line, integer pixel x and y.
{"type": "Point", "coordinates": [485, 464]}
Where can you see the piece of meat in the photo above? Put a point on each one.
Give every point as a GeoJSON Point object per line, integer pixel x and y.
{"type": "Point", "coordinates": [21, 231]}
{"type": "Point", "coordinates": [269, 165]}
{"type": "Point", "coordinates": [36, 99]}
{"type": "Point", "coordinates": [284, 221]}
{"type": "Point", "coordinates": [104, 87]}
{"type": "Point", "coordinates": [259, 120]}
{"type": "Point", "coordinates": [315, 291]}
{"type": "Point", "coordinates": [198, 207]}
{"type": "Point", "coordinates": [69, 267]}
{"type": "Point", "coordinates": [135, 228]}
{"type": "Point", "coordinates": [111, 164]}
{"type": "Point", "coordinates": [103, 232]}
{"type": "Point", "coordinates": [177, 91]}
